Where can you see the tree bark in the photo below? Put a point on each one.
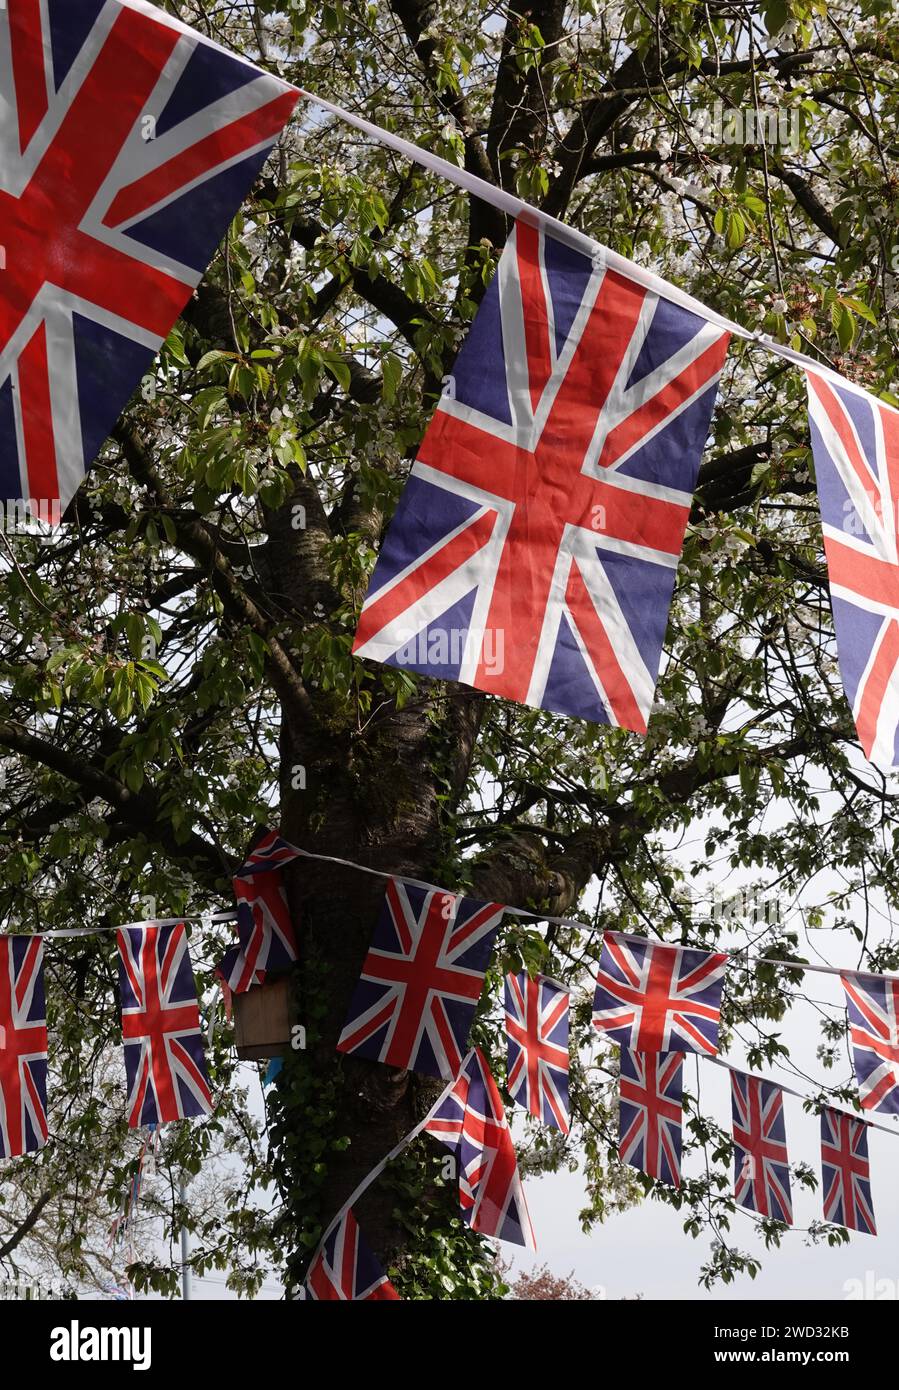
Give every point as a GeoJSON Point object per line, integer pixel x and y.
{"type": "Point", "coordinates": [374, 802]}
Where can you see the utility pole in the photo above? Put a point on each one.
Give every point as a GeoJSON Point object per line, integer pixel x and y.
{"type": "Point", "coordinates": [185, 1245]}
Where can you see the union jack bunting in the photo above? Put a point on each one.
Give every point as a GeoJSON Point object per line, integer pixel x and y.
{"type": "Point", "coordinates": [873, 1004]}
{"type": "Point", "coordinates": [537, 1054]}
{"type": "Point", "coordinates": [345, 1268]}
{"type": "Point", "coordinates": [126, 146]}
{"type": "Point", "coordinates": [23, 1046]}
{"type": "Point", "coordinates": [534, 549]}
{"type": "Point", "coordinates": [651, 1090]}
{"type": "Point", "coordinates": [415, 1000]}
{"type": "Point", "coordinates": [266, 936]}
{"type": "Point", "coordinates": [165, 1066]}
{"type": "Point", "coordinates": [471, 1121]}
{"type": "Point", "coordinates": [761, 1166]}
{"type": "Point", "coordinates": [855, 442]}
{"type": "Point", "coordinates": [653, 998]}
{"type": "Point", "coordinates": [846, 1172]}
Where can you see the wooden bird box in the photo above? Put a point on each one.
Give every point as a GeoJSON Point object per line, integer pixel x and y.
{"type": "Point", "coordinates": [262, 1020]}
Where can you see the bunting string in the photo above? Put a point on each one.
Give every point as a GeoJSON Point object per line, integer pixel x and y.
{"type": "Point", "coordinates": [517, 208]}
{"type": "Point", "coordinates": [657, 1060]}
{"type": "Point", "coordinates": [397, 1149]}
{"type": "Point", "coordinates": [800, 1095]}
{"type": "Point", "coordinates": [58, 933]}
{"type": "Point", "coordinates": [737, 956]}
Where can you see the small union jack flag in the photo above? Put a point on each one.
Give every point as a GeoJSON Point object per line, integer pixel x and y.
{"type": "Point", "coordinates": [23, 1046]}
{"type": "Point", "coordinates": [471, 1121]}
{"type": "Point", "coordinates": [165, 1065]}
{"type": "Point", "coordinates": [873, 1003]}
{"type": "Point", "coordinates": [761, 1166]}
{"type": "Point", "coordinates": [846, 1172]}
{"type": "Point", "coordinates": [654, 998]}
{"type": "Point", "coordinates": [855, 442]}
{"type": "Point", "coordinates": [414, 1004]}
{"type": "Point", "coordinates": [345, 1268]}
{"type": "Point", "coordinates": [534, 549]}
{"type": "Point", "coordinates": [650, 1115]}
{"type": "Point", "coordinates": [537, 1056]}
{"type": "Point", "coordinates": [267, 940]}
{"type": "Point", "coordinates": [127, 144]}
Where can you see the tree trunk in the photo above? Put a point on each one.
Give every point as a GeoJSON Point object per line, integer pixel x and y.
{"type": "Point", "coordinates": [373, 799]}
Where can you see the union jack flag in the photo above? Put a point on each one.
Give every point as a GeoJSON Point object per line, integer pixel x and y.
{"type": "Point", "coordinates": [165, 1065]}
{"type": "Point", "coordinates": [873, 1003]}
{"type": "Point", "coordinates": [651, 1090]}
{"type": "Point", "coordinates": [23, 1046]}
{"type": "Point", "coordinates": [127, 142]}
{"type": "Point", "coordinates": [855, 441]}
{"type": "Point", "coordinates": [266, 936]}
{"type": "Point", "coordinates": [415, 1000]}
{"type": "Point", "coordinates": [654, 998]}
{"type": "Point", "coordinates": [471, 1121]}
{"type": "Point", "coordinates": [537, 1054]}
{"type": "Point", "coordinates": [846, 1172]}
{"type": "Point", "coordinates": [345, 1268]}
{"type": "Point", "coordinates": [761, 1166]}
{"type": "Point", "coordinates": [534, 549]}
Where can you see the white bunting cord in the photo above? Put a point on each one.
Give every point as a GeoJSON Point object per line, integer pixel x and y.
{"type": "Point", "coordinates": [515, 207]}
{"type": "Point", "coordinates": [736, 956]}
{"type": "Point", "coordinates": [59, 932]}
{"type": "Point", "coordinates": [397, 1149]}
{"type": "Point", "coordinates": [739, 959]}
{"type": "Point", "coordinates": [435, 888]}
{"type": "Point", "coordinates": [800, 1095]}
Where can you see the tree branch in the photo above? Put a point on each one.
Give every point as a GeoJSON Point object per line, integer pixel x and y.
{"type": "Point", "coordinates": [139, 810]}
{"type": "Point", "coordinates": [197, 539]}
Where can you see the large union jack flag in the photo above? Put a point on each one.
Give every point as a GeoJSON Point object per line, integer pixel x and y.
{"type": "Point", "coordinates": [537, 1052]}
{"type": "Point", "coordinates": [534, 549]}
{"type": "Point", "coordinates": [846, 1172]}
{"type": "Point", "coordinates": [471, 1121]}
{"type": "Point", "coordinates": [165, 1065]}
{"type": "Point", "coordinates": [654, 998]}
{"type": "Point", "coordinates": [267, 940]}
{"type": "Point", "coordinates": [344, 1268]}
{"type": "Point", "coordinates": [761, 1166]}
{"type": "Point", "coordinates": [855, 441]}
{"type": "Point", "coordinates": [127, 142]}
{"type": "Point", "coordinates": [650, 1114]}
{"type": "Point", "coordinates": [873, 1004]}
{"type": "Point", "coordinates": [23, 1046]}
{"type": "Point", "coordinates": [415, 1000]}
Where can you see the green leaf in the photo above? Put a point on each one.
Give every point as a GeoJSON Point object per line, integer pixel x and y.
{"type": "Point", "coordinates": [861, 308]}
{"type": "Point", "coordinates": [391, 376]}
{"type": "Point", "coordinates": [209, 359]}
{"type": "Point", "coordinates": [845, 326]}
